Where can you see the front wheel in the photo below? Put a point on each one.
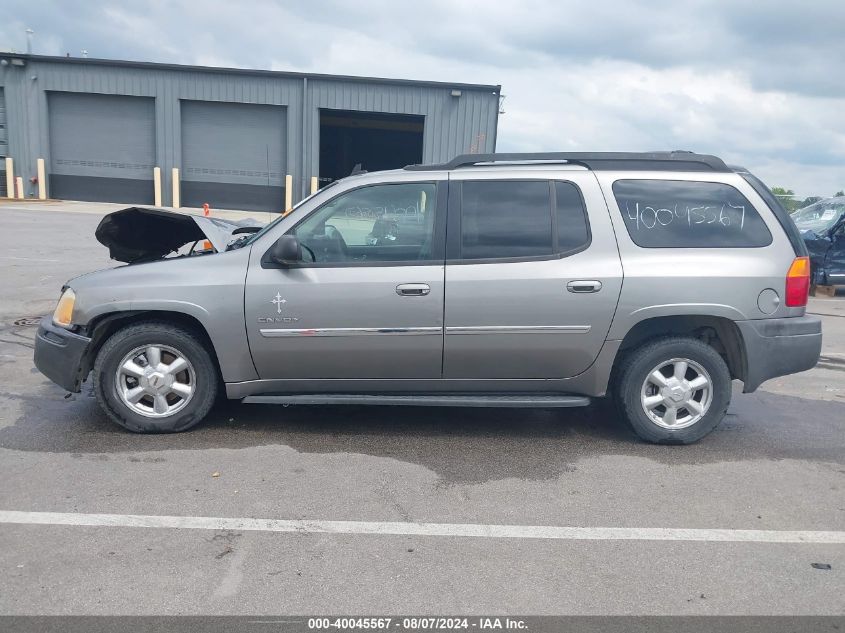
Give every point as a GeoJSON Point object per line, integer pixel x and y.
{"type": "Point", "coordinates": [155, 378]}
{"type": "Point", "coordinates": [674, 390]}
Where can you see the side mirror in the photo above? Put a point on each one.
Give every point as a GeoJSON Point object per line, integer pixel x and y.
{"type": "Point", "coordinates": [286, 250]}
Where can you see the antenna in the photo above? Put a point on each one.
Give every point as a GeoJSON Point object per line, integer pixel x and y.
{"type": "Point", "coordinates": [29, 34]}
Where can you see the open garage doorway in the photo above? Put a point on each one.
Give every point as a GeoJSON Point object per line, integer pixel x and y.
{"type": "Point", "coordinates": [375, 140]}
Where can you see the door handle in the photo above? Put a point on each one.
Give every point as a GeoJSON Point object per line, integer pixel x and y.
{"type": "Point", "coordinates": [413, 290]}
{"type": "Point", "coordinates": [584, 285]}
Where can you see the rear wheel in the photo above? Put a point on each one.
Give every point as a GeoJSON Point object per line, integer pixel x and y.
{"type": "Point", "coordinates": [155, 378]}
{"type": "Point", "coordinates": [674, 390]}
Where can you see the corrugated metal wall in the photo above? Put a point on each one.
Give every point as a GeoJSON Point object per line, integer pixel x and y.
{"type": "Point", "coordinates": [453, 125]}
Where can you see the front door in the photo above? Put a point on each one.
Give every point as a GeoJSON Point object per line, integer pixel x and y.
{"type": "Point", "coordinates": [367, 301]}
{"type": "Point", "coordinates": [532, 280]}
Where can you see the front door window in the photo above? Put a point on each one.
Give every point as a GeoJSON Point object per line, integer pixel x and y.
{"type": "Point", "coordinates": [380, 223]}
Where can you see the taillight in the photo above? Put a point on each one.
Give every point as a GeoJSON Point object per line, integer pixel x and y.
{"type": "Point", "coordinates": [798, 282]}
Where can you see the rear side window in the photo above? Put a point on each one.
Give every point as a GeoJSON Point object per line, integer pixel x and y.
{"type": "Point", "coordinates": [687, 214]}
{"type": "Point", "coordinates": [507, 218]}
{"type": "Point", "coordinates": [573, 232]}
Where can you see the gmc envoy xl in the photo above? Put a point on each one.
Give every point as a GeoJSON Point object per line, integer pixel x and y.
{"type": "Point", "coordinates": [507, 280]}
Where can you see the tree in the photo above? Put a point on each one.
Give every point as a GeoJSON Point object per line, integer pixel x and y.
{"type": "Point", "coordinates": [811, 200]}
{"type": "Point", "coordinates": [787, 198]}
{"type": "Point", "coordinates": [839, 194]}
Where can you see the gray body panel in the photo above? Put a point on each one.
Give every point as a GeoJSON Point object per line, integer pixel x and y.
{"type": "Point", "coordinates": [592, 382]}
{"type": "Point", "coordinates": [518, 320]}
{"type": "Point", "coordinates": [209, 288]}
{"type": "Point", "coordinates": [350, 323]}
{"type": "Point", "coordinates": [344, 322]}
{"type": "Point", "coordinates": [721, 282]}
{"type": "Point", "coordinates": [497, 327]}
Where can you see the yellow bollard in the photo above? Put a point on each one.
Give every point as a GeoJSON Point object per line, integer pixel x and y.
{"type": "Point", "coordinates": [157, 186]}
{"type": "Point", "coordinates": [42, 180]}
{"type": "Point", "coordinates": [19, 187]}
{"type": "Point", "coordinates": [176, 190]}
{"type": "Point", "coordinates": [314, 185]}
{"type": "Point", "coordinates": [10, 177]}
{"type": "Point", "coordinates": [288, 193]}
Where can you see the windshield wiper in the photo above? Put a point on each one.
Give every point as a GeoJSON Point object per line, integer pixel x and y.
{"type": "Point", "coordinates": [238, 243]}
{"type": "Point", "coordinates": [243, 233]}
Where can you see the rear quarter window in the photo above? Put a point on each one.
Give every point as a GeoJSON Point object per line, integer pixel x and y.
{"type": "Point", "coordinates": [688, 214]}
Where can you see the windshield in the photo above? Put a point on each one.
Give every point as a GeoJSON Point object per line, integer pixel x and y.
{"type": "Point", "coordinates": [251, 238]}
{"type": "Point", "coordinates": [819, 216]}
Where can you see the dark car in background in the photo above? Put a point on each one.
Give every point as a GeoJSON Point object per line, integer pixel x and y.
{"type": "Point", "coordinates": [822, 226]}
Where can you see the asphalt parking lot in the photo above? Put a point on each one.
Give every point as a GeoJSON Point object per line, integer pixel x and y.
{"type": "Point", "coordinates": [777, 463]}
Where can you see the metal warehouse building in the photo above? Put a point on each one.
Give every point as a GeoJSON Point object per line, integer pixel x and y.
{"type": "Point", "coordinates": [119, 131]}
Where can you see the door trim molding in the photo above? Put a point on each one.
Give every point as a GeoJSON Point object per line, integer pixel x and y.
{"type": "Point", "coordinates": [422, 331]}
{"type": "Point", "coordinates": [350, 331]}
{"type": "Point", "coordinates": [518, 329]}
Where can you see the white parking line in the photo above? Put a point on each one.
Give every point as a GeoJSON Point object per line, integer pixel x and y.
{"type": "Point", "coordinates": [473, 530]}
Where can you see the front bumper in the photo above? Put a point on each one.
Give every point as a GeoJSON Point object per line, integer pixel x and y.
{"type": "Point", "coordinates": [60, 355]}
{"type": "Point", "coordinates": [778, 347]}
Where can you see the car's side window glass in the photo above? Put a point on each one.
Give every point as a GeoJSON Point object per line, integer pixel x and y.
{"type": "Point", "coordinates": [820, 216]}
{"type": "Point", "coordinates": [689, 214]}
{"type": "Point", "coordinates": [505, 218]}
{"type": "Point", "coordinates": [379, 223]}
{"type": "Point", "coordinates": [573, 232]}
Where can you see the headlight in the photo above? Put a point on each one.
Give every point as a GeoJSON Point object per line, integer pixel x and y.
{"type": "Point", "coordinates": [63, 314]}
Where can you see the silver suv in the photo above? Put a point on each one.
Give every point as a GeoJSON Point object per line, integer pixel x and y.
{"type": "Point", "coordinates": [506, 280]}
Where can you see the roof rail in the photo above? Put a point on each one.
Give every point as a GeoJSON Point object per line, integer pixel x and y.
{"type": "Point", "coordinates": [643, 161]}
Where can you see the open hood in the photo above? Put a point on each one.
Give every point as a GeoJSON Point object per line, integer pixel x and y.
{"type": "Point", "coordinates": [141, 234]}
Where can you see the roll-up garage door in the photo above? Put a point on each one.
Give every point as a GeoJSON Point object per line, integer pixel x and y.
{"type": "Point", "coordinates": [102, 147]}
{"type": "Point", "coordinates": [4, 146]}
{"type": "Point", "coordinates": [233, 155]}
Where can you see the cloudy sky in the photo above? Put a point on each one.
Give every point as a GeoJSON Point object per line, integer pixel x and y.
{"type": "Point", "coordinates": [760, 84]}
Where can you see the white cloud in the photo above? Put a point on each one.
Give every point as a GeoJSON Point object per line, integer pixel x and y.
{"type": "Point", "coordinates": [755, 84]}
{"type": "Point", "coordinates": [789, 139]}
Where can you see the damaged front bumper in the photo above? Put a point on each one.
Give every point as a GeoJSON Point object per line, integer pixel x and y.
{"type": "Point", "coordinates": [61, 355]}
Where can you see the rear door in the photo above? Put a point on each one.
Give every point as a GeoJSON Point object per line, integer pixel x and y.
{"type": "Point", "coordinates": [532, 279]}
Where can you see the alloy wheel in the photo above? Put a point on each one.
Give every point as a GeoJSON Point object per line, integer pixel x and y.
{"type": "Point", "coordinates": [155, 381]}
{"type": "Point", "coordinates": [676, 393]}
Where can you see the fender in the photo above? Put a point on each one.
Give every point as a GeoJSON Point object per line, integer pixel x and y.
{"type": "Point", "coordinates": [623, 323]}
{"type": "Point", "coordinates": [209, 289]}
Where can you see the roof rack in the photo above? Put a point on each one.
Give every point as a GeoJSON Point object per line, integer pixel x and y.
{"type": "Point", "coordinates": [642, 161]}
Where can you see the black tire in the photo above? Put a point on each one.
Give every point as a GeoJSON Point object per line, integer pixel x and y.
{"type": "Point", "coordinates": [126, 340]}
{"type": "Point", "coordinates": [636, 367]}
